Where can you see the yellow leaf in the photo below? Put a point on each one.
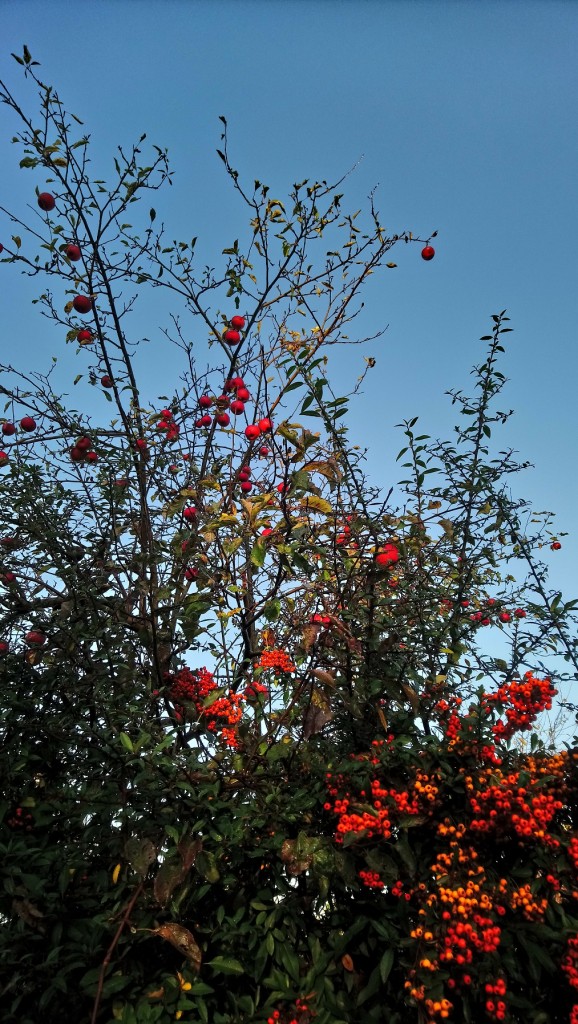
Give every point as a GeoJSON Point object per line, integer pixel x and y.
{"type": "Point", "coordinates": [313, 503]}
{"type": "Point", "coordinates": [115, 874]}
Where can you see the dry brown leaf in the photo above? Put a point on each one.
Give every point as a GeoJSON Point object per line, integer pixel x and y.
{"type": "Point", "coordinates": [182, 939]}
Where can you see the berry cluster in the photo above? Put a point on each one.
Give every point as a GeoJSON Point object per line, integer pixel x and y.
{"type": "Point", "coordinates": [526, 700]}
{"type": "Point", "coordinates": [277, 660]}
{"type": "Point", "coordinates": [221, 716]}
{"type": "Point", "coordinates": [167, 423]}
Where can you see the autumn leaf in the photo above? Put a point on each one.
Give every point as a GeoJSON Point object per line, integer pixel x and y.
{"type": "Point", "coordinates": [182, 939]}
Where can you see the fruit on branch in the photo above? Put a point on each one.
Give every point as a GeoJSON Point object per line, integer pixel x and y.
{"type": "Point", "coordinates": [4, 647]}
{"type": "Point", "coordinates": [190, 514]}
{"type": "Point", "coordinates": [77, 454]}
{"type": "Point", "coordinates": [3, 459]}
{"type": "Point", "coordinates": [238, 322]}
{"type": "Point", "coordinates": [205, 402]}
{"type": "Point", "coordinates": [253, 431]}
{"type": "Point", "coordinates": [82, 303]}
{"type": "Point", "coordinates": [27, 423]}
{"type": "Point", "coordinates": [265, 424]}
{"type": "Point", "coordinates": [191, 574]}
{"type": "Point", "coordinates": [72, 251]}
{"type": "Point", "coordinates": [263, 451]}
{"type": "Point", "coordinates": [91, 457]}
{"type": "Point", "coordinates": [85, 337]}
{"type": "Point", "coordinates": [84, 443]}
{"type": "Point", "coordinates": [203, 421]}
{"type": "Point", "coordinates": [106, 381]}
{"type": "Point", "coordinates": [46, 201]}
{"type": "Point", "coordinates": [237, 407]}
{"type": "Point", "coordinates": [555, 546]}
{"type": "Point", "coordinates": [231, 337]}
{"type": "Point", "coordinates": [504, 616]}
{"type": "Point", "coordinates": [8, 577]}
{"type": "Point", "coordinates": [35, 638]}
{"type": "Point", "coordinates": [141, 444]}
{"type": "Point", "coordinates": [8, 429]}
{"type": "Point", "coordinates": [387, 555]}
{"type": "Point", "coordinates": [223, 419]}
{"type": "Point", "coordinates": [428, 252]}
{"type": "Point", "coordinates": [246, 486]}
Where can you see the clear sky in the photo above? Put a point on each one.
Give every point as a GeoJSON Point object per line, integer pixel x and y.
{"type": "Point", "coordinates": [462, 112]}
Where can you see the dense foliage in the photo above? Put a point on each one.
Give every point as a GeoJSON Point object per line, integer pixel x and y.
{"type": "Point", "coordinates": [261, 726]}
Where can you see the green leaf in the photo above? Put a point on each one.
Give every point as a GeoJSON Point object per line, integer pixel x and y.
{"type": "Point", "coordinates": [126, 742]}
{"type": "Point", "coordinates": [226, 965]}
{"type": "Point", "coordinates": [258, 554]}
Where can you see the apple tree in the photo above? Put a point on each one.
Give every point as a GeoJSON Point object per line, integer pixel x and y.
{"type": "Point", "coordinates": [261, 724]}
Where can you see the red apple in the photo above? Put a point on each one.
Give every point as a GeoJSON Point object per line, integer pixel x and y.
{"type": "Point", "coordinates": [232, 337]}
{"type": "Point", "coordinates": [35, 638]}
{"type": "Point", "coordinates": [246, 486]}
{"type": "Point", "coordinates": [387, 555]}
{"type": "Point", "coordinates": [238, 382]}
{"type": "Point", "coordinates": [83, 443]}
{"type": "Point", "coordinates": [205, 401]}
{"type": "Point", "coordinates": [243, 395]}
{"type": "Point", "coordinates": [106, 381]}
{"type": "Point", "coordinates": [191, 574]}
{"type": "Point", "coordinates": [504, 616]}
{"type": "Point", "coordinates": [555, 546]}
{"type": "Point", "coordinates": [283, 487]}
{"type": "Point", "coordinates": [265, 425]}
{"type": "Point", "coordinates": [85, 337]}
{"type": "Point", "coordinates": [73, 252]}
{"type": "Point", "coordinates": [76, 454]}
{"type": "Point", "coordinates": [229, 385]}
{"type": "Point", "coordinates": [223, 419]}
{"type": "Point", "coordinates": [266, 532]}
{"type": "Point", "coordinates": [46, 201]}
{"type": "Point", "coordinates": [91, 457]}
{"type": "Point", "coordinates": [428, 252]}
{"type": "Point", "coordinates": [237, 407]}
{"type": "Point", "coordinates": [8, 429]}
{"type": "Point", "coordinates": [520, 613]}
{"type": "Point", "coordinates": [263, 451]}
{"type": "Point", "coordinates": [244, 471]}
{"type": "Point", "coordinates": [190, 513]}
{"type": "Point", "coordinates": [238, 322]}
{"type": "Point", "coordinates": [253, 431]}
{"type": "Point", "coordinates": [205, 421]}
{"type": "Point", "coordinates": [27, 423]}
{"type": "Point", "coordinates": [1, 248]}
{"type": "Point", "coordinates": [82, 303]}
{"type": "Point", "coordinates": [141, 444]}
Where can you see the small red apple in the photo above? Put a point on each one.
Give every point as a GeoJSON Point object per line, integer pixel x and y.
{"type": "Point", "coordinates": [238, 382]}
{"type": "Point", "coordinates": [387, 555]}
{"type": "Point", "coordinates": [27, 423]}
{"type": "Point", "coordinates": [8, 429]}
{"type": "Point", "coordinates": [190, 513]}
{"type": "Point", "coordinates": [283, 487]}
{"type": "Point", "coordinates": [245, 471]}
{"type": "Point", "coordinates": [85, 337]}
{"type": "Point", "coordinates": [263, 451]}
{"type": "Point", "coordinates": [223, 419]}
{"type": "Point", "coordinates": [106, 381]}
{"type": "Point", "coordinates": [428, 252]}
{"type": "Point", "coordinates": [266, 532]}
{"type": "Point", "coordinates": [35, 638]}
{"type": "Point", "coordinates": [91, 457]}
{"type": "Point", "coordinates": [243, 394]}
{"type": "Point", "coordinates": [232, 337]}
{"type": "Point", "coordinates": [205, 401]}
{"type": "Point", "coordinates": [173, 469]}
{"type": "Point", "coordinates": [72, 251]}
{"type": "Point", "coordinates": [82, 303]}
{"type": "Point", "coordinates": [141, 444]}
{"type": "Point", "coordinates": [205, 420]}
{"type": "Point", "coordinates": [246, 486]}
{"type": "Point", "coordinates": [238, 322]}
{"type": "Point", "coordinates": [520, 613]}
{"type": "Point", "coordinates": [83, 443]}
{"type": "Point", "coordinates": [504, 616]}
{"type": "Point", "coordinates": [76, 454]}
{"type": "Point", "coordinates": [265, 425]}
{"type": "Point", "coordinates": [46, 201]}
{"type": "Point", "coordinates": [253, 431]}
{"type": "Point", "coordinates": [555, 546]}
{"type": "Point", "coordinates": [191, 573]}
{"type": "Point", "coordinates": [237, 407]}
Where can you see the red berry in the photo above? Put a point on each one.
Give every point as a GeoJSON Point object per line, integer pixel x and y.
{"type": "Point", "coordinates": [77, 454]}
{"type": "Point", "coordinates": [243, 394]}
{"type": "Point", "coordinates": [244, 471]}
{"type": "Point", "coordinates": [205, 401]}
{"type": "Point", "coordinates": [8, 429]}
{"type": "Point", "coordinates": [203, 421]}
{"type": "Point", "coordinates": [223, 419]}
{"type": "Point", "coordinates": [222, 402]}
{"type": "Point", "coordinates": [27, 423]}
{"type": "Point", "coordinates": [556, 545]}
{"type": "Point", "coordinates": [166, 414]}
{"type": "Point", "coordinates": [83, 443]}
{"type": "Point", "coordinates": [46, 201]}
{"type": "Point", "coordinates": [520, 613]}
{"type": "Point", "coordinates": [237, 407]}
{"type": "Point", "coordinates": [73, 252]}
{"type": "Point", "coordinates": [282, 487]}
{"type": "Point", "coordinates": [238, 382]}
{"type": "Point", "coordinates": [504, 616]}
{"type": "Point", "coordinates": [82, 303]}
{"type": "Point", "coordinates": [246, 486]}
{"type": "Point", "coordinates": [253, 431]}
{"type": "Point", "coordinates": [388, 555]}
{"type": "Point", "coordinates": [91, 457]}
{"type": "Point", "coordinates": [3, 459]}
{"type": "Point", "coordinates": [263, 451]}
{"type": "Point", "coordinates": [190, 513]}
{"type": "Point", "coordinates": [35, 638]}
{"type": "Point", "coordinates": [84, 337]}
{"type": "Point", "coordinates": [238, 322]}
{"type": "Point", "coordinates": [141, 444]}
{"type": "Point", "coordinates": [191, 574]}
{"type": "Point", "coordinates": [428, 252]}
{"type": "Point", "coordinates": [266, 532]}
{"type": "Point", "coordinates": [232, 337]}
{"type": "Point", "coordinates": [265, 425]}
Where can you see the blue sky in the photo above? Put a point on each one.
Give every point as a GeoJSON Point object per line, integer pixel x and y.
{"type": "Point", "coordinates": [463, 114]}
